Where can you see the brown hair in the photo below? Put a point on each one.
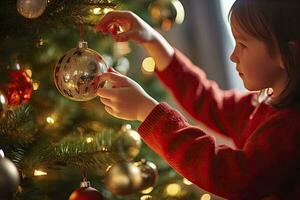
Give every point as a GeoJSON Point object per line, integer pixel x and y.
{"type": "Point", "coordinates": [275, 22]}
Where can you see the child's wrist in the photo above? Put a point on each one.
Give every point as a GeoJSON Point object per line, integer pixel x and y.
{"type": "Point", "coordinates": [146, 109]}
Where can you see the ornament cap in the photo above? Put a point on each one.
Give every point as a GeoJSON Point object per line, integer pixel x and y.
{"type": "Point", "coordinates": [85, 184]}
{"type": "Point", "coordinates": [82, 44]}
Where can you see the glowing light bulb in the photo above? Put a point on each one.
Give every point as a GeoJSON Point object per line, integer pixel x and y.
{"type": "Point", "coordinates": [50, 120]}
{"type": "Point", "coordinates": [39, 173]}
{"type": "Point", "coordinates": [147, 191]}
{"type": "Point", "coordinates": [205, 197]}
{"type": "Point", "coordinates": [173, 189]}
{"type": "Point", "coordinates": [89, 139]}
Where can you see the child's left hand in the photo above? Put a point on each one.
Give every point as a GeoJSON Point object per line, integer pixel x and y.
{"type": "Point", "coordinates": [126, 99]}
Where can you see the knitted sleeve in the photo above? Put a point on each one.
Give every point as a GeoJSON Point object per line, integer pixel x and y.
{"type": "Point", "coordinates": [226, 112]}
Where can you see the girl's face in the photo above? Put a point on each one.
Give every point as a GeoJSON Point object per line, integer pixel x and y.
{"type": "Point", "coordinates": [256, 67]}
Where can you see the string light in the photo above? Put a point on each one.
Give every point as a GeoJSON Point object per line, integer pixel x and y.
{"type": "Point", "coordinates": [50, 120]}
{"type": "Point", "coordinates": [147, 191]}
{"type": "Point", "coordinates": [173, 189]}
{"type": "Point", "coordinates": [205, 197]}
{"type": "Point", "coordinates": [89, 139]}
{"type": "Point", "coordinates": [39, 173]}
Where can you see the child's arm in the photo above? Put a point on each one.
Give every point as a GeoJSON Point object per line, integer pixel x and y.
{"type": "Point", "coordinates": [125, 25]}
{"type": "Point", "coordinates": [227, 112]}
{"type": "Point", "coordinates": [201, 98]}
{"type": "Point", "coordinates": [267, 162]}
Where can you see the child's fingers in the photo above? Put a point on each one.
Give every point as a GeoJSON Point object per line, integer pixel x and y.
{"type": "Point", "coordinates": [106, 102]}
{"type": "Point", "coordinates": [110, 18]}
{"type": "Point", "coordinates": [116, 79]}
{"type": "Point", "coordinates": [106, 93]}
{"type": "Point", "coordinates": [109, 110]}
{"type": "Point", "coordinates": [125, 36]}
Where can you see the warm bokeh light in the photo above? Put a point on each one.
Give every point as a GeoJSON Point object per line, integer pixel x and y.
{"type": "Point", "coordinates": [89, 139]}
{"type": "Point", "coordinates": [50, 120]}
{"type": "Point", "coordinates": [148, 64]}
{"type": "Point", "coordinates": [166, 25]}
{"type": "Point", "coordinates": [205, 197]}
{"type": "Point", "coordinates": [173, 189]}
{"type": "Point", "coordinates": [147, 191]}
{"type": "Point", "coordinates": [187, 182]}
{"type": "Point", "coordinates": [39, 173]}
{"type": "Point", "coordinates": [180, 11]}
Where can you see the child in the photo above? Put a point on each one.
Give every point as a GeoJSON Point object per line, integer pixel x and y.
{"type": "Point", "coordinates": [265, 163]}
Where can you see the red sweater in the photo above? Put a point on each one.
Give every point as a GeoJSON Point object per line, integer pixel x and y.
{"type": "Point", "coordinates": [265, 163]}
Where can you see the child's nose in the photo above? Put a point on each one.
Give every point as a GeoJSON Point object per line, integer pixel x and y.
{"type": "Point", "coordinates": [234, 57]}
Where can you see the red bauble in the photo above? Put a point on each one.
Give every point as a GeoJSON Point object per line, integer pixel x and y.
{"type": "Point", "coordinates": [19, 87]}
{"type": "Point", "coordinates": [86, 193]}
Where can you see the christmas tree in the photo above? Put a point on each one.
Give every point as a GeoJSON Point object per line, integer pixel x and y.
{"type": "Point", "coordinates": [49, 142]}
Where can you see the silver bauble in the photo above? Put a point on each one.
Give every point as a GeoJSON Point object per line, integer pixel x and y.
{"type": "Point", "coordinates": [127, 143]}
{"type": "Point", "coordinates": [31, 8]}
{"type": "Point", "coordinates": [77, 73]}
{"type": "Point", "coordinates": [9, 178]}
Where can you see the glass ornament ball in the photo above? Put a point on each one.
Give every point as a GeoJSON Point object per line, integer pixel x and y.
{"type": "Point", "coordinates": [77, 73]}
{"type": "Point", "coordinates": [31, 8]}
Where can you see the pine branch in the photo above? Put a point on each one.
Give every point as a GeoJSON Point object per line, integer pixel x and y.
{"type": "Point", "coordinates": [17, 126]}
{"type": "Point", "coordinates": [74, 152]}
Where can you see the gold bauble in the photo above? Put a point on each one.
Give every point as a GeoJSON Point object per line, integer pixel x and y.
{"type": "Point", "coordinates": [166, 13]}
{"type": "Point", "coordinates": [127, 143]}
{"type": "Point", "coordinates": [31, 8]}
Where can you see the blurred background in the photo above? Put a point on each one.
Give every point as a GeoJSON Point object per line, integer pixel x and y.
{"type": "Point", "coordinates": [56, 140]}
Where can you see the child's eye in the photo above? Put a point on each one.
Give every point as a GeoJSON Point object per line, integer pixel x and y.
{"type": "Point", "coordinates": [242, 45]}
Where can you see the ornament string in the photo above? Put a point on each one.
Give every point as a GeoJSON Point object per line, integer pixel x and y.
{"type": "Point", "coordinates": [81, 32]}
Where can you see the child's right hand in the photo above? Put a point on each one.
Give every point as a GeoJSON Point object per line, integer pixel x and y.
{"type": "Point", "coordinates": [125, 25]}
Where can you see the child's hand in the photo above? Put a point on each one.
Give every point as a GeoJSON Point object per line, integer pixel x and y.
{"type": "Point", "coordinates": [125, 25]}
{"type": "Point", "coordinates": [126, 99]}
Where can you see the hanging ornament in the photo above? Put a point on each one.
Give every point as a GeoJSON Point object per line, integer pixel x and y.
{"type": "Point", "coordinates": [31, 8]}
{"type": "Point", "coordinates": [86, 192]}
{"type": "Point", "coordinates": [18, 88]}
{"type": "Point", "coordinates": [166, 13]}
{"type": "Point", "coordinates": [76, 74]}
{"type": "Point", "coordinates": [128, 143]}
{"type": "Point", "coordinates": [149, 174]}
{"type": "Point", "coordinates": [126, 178]}
{"type": "Point", "coordinates": [3, 103]}
{"type": "Point", "coordinates": [123, 178]}
{"type": "Point", "coordinates": [9, 177]}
